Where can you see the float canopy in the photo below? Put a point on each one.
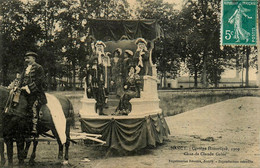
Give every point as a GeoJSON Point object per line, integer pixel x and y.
{"type": "Point", "coordinates": [113, 30]}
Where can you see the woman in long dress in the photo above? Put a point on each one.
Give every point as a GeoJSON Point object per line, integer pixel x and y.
{"type": "Point", "coordinates": [131, 90]}
{"type": "Point", "coordinates": [236, 19]}
{"type": "Point", "coordinates": [116, 75]}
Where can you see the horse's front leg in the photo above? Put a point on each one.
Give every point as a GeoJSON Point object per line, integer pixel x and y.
{"type": "Point", "coordinates": [26, 149]}
{"type": "Point", "coordinates": [20, 150]}
{"type": "Point", "coordinates": [9, 145]}
{"type": "Point", "coordinates": [2, 149]}
{"type": "Point", "coordinates": [60, 155]}
{"type": "Point", "coordinates": [33, 155]}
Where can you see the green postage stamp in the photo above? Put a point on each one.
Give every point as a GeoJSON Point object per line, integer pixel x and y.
{"type": "Point", "coordinates": [239, 22]}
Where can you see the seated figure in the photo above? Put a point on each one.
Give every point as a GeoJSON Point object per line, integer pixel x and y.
{"type": "Point", "coordinates": [131, 90]}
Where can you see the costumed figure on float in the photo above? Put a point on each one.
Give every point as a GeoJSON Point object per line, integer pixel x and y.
{"type": "Point", "coordinates": [131, 90]}
{"type": "Point", "coordinates": [133, 119]}
{"type": "Point", "coordinates": [116, 80]}
{"type": "Point", "coordinates": [95, 78]}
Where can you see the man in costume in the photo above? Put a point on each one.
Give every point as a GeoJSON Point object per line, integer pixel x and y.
{"type": "Point", "coordinates": [100, 51]}
{"type": "Point", "coordinates": [31, 84]}
{"type": "Point", "coordinates": [95, 77]}
{"type": "Point", "coordinates": [141, 56]}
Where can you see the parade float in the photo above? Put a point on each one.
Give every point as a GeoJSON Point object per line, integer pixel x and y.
{"type": "Point", "coordinates": [141, 123]}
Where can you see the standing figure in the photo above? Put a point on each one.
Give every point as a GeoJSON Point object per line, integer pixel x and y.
{"type": "Point", "coordinates": [107, 64]}
{"type": "Point", "coordinates": [100, 51]}
{"type": "Point", "coordinates": [116, 74]}
{"type": "Point", "coordinates": [131, 90]}
{"type": "Point", "coordinates": [95, 79]}
{"type": "Point", "coordinates": [128, 60]}
{"type": "Point", "coordinates": [141, 56]}
{"type": "Point", "coordinates": [95, 84]}
{"type": "Point", "coordinates": [31, 84]}
{"type": "Point", "coordinates": [236, 19]}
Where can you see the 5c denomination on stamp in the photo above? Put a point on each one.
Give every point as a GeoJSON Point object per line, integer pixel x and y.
{"type": "Point", "coordinates": [239, 22]}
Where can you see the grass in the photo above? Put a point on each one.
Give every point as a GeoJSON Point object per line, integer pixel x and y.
{"type": "Point", "coordinates": [173, 103]}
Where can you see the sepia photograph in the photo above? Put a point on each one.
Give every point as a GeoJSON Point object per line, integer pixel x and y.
{"type": "Point", "coordinates": [129, 83]}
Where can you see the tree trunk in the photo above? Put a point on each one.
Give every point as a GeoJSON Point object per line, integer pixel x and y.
{"type": "Point", "coordinates": [164, 80]}
{"type": "Point", "coordinates": [161, 81]}
{"type": "Point", "coordinates": [4, 71]}
{"type": "Point", "coordinates": [195, 78]}
{"type": "Point", "coordinates": [74, 75]}
{"type": "Point", "coordinates": [49, 81]}
{"type": "Point", "coordinates": [5, 65]}
{"type": "Point", "coordinates": [248, 51]}
{"type": "Point", "coordinates": [204, 70]}
{"type": "Point", "coordinates": [1, 60]}
{"type": "Point", "coordinates": [70, 77]}
{"type": "Point", "coordinates": [205, 52]}
{"type": "Point", "coordinates": [215, 79]}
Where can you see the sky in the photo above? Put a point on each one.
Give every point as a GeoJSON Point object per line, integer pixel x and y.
{"type": "Point", "coordinates": [177, 2]}
{"type": "Point", "coordinates": [132, 2]}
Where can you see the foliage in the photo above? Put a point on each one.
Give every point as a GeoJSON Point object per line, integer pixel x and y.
{"type": "Point", "coordinates": [201, 51]}
{"type": "Point", "coordinates": [164, 53]}
{"type": "Point", "coordinates": [18, 34]}
{"type": "Point", "coordinates": [58, 30]}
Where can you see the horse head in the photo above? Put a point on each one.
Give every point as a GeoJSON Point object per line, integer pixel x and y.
{"type": "Point", "coordinates": [4, 92]}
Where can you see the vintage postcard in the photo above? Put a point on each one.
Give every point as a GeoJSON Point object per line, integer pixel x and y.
{"type": "Point", "coordinates": [130, 83]}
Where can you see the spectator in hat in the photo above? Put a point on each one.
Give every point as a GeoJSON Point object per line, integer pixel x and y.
{"type": "Point", "coordinates": [31, 84]}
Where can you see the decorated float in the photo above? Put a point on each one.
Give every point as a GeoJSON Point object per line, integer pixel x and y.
{"type": "Point", "coordinates": [121, 68]}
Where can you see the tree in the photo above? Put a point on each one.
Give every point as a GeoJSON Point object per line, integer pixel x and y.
{"type": "Point", "coordinates": [164, 54]}
{"type": "Point", "coordinates": [16, 37]}
{"type": "Point", "coordinates": [201, 49]}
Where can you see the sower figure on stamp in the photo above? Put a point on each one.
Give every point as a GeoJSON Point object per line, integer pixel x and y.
{"type": "Point", "coordinates": [32, 88]}
{"type": "Point", "coordinates": [237, 20]}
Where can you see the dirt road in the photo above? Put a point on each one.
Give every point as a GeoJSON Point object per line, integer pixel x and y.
{"type": "Point", "coordinates": [224, 134]}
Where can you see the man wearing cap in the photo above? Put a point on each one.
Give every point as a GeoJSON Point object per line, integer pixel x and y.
{"type": "Point", "coordinates": [32, 87]}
